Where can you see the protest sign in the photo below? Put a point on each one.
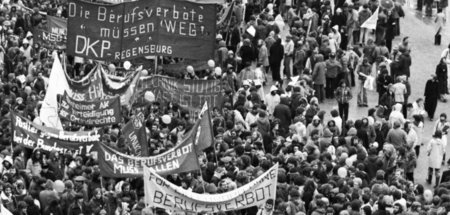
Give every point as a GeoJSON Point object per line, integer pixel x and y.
{"type": "Point", "coordinates": [141, 28]}
{"type": "Point", "coordinates": [31, 135]}
{"type": "Point", "coordinates": [54, 33]}
{"type": "Point", "coordinates": [93, 113]}
{"type": "Point", "coordinates": [136, 136]}
{"type": "Point", "coordinates": [181, 158]}
{"type": "Point", "coordinates": [189, 94]}
{"type": "Point", "coordinates": [163, 194]}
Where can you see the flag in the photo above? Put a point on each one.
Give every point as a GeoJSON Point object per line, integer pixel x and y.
{"type": "Point", "coordinates": [204, 137]}
{"type": "Point", "coordinates": [57, 85]}
{"type": "Point", "coordinates": [371, 22]}
{"type": "Point", "coordinates": [226, 14]}
{"type": "Point", "coordinates": [135, 135]}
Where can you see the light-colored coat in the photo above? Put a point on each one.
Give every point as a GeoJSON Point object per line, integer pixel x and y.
{"type": "Point", "coordinates": [435, 150]}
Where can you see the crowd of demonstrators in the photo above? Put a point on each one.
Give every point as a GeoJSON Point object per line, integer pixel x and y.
{"type": "Point", "coordinates": [328, 166]}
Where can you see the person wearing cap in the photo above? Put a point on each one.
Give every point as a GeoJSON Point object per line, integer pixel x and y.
{"type": "Point", "coordinates": [80, 187]}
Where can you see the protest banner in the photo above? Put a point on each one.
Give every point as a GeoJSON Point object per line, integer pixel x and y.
{"type": "Point", "coordinates": [31, 135]}
{"type": "Point", "coordinates": [161, 193]}
{"type": "Point", "coordinates": [94, 86]}
{"type": "Point", "coordinates": [93, 113]}
{"type": "Point", "coordinates": [181, 158]}
{"type": "Point", "coordinates": [141, 28]}
{"type": "Point", "coordinates": [136, 136]}
{"type": "Point", "coordinates": [189, 94]}
{"type": "Point", "coordinates": [198, 1]}
{"type": "Point", "coordinates": [54, 33]}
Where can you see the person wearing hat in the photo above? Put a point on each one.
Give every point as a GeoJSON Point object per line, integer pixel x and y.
{"type": "Point", "coordinates": [272, 99]}
{"type": "Point", "coordinates": [80, 187]}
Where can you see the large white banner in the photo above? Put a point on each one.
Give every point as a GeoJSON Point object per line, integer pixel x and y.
{"type": "Point", "coordinates": [162, 194]}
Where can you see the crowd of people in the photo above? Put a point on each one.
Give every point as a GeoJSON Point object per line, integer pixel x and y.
{"type": "Point", "coordinates": [327, 166]}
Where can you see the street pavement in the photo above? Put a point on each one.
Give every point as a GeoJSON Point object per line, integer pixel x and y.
{"type": "Point", "coordinates": [425, 56]}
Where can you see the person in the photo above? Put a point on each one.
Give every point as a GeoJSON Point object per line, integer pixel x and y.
{"type": "Point", "coordinates": [276, 53]}
{"type": "Point", "coordinates": [333, 69]}
{"type": "Point", "coordinates": [267, 209]}
{"type": "Point", "coordinates": [318, 77]}
{"type": "Point", "coordinates": [343, 95]}
{"type": "Point", "coordinates": [435, 153]}
{"type": "Point", "coordinates": [431, 96]}
{"type": "Point", "coordinates": [363, 72]}
{"type": "Point", "coordinates": [443, 125]}
{"type": "Point", "coordinates": [288, 56]}
{"type": "Point", "coordinates": [363, 15]}
{"type": "Point", "coordinates": [272, 99]}
{"type": "Point", "coordinates": [417, 125]}
{"type": "Point", "coordinates": [442, 77]}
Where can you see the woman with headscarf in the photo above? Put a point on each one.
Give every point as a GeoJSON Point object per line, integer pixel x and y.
{"type": "Point", "coordinates": [276, 54]}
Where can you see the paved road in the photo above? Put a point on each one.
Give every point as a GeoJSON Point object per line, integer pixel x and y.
{"type": "Point", "coordinates": [425, 56]}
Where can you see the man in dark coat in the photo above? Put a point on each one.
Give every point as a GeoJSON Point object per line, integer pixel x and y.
{"type": "Point", "coordinates": [442, 76]}
{"type": "Point", "coordinates": [283, 113]}
{"type": "Point", "coordinates": [275, 57]}
{"type": "Point", "coordinates": [431, 96]}
{"type": "Point", "coordinates": [404, 61]}
{"type": "Point", "coordinates": [247, 53]}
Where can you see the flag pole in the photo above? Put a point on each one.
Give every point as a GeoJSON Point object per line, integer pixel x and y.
{"type": "Point", "coordinates": [212, 133]}
{"type": "Point", "coordinates": [196, 155]}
